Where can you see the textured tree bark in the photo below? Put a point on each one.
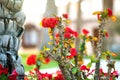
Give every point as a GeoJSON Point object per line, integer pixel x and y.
{"type": "Point", "coordinates": [64, 71]}
{"type": "Point", "coordinates": [108, 4]}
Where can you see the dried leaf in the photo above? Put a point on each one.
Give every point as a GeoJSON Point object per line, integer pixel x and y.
{"type": "Point", "coordinates": [114, 54]}
{"type": "Point", "coordinates": [50, 43]}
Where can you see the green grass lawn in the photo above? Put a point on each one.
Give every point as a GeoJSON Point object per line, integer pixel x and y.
{"type": "Point", "coordinates": [52, 63]}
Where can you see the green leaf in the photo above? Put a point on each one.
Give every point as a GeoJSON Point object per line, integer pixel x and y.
{"type": "Point", "coordinates": [68, 78]}
{"type": "Point", "coordinates": [72, 61]}
{"type": "Point", "coordinates": [74, 70]}
{"type": "Point", "coordinates": [93, 59]}
{"type": "Point", "coordinates": [61, 45]}
{"type": "Point", "coordinates": [82, 46]}
{"type": "Point", "coordinates": [106, 12]}
{"type": "Point", "coordinates": [103, 15]}
{"type": "Point", "coordinates": [89, 64]}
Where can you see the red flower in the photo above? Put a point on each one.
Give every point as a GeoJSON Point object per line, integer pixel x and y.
{"type": "Point", "coordinates": [106, 34]}
{"type": "Point", "coordinates": [59, 76]}
{"type": "Point", "coordinates": [13, 76]}
{"type": "Point", "coordinates": [109, 12]}
{"type": "Point", "coordinates": [3, 70]}
{"type": "Point", "coordinates": [57, 35]}
{"type": "Point", "coordinates": [37, 71]}
{"type": "Point", "coordinates": [69, 57]}
{"type": "Point", "coordinates": [67, 35]}
{"type": "Point", "coordinates": [101, 71]}
{"type": "Point", "coordinates": [65, 16]}
{"type": "Point", "coordinates": [31, 60]}
{"type": "Point", "coordinates": [83, 67]}
{"type": "Point", "coordinates": [85, 32]}
{"type": "Point", "coordinates": [73, 51]}
{"type": "Point", "coordinates": [69, 30]}
{"type": "Point", "coordinates": [115, 73]}
{"type": "Point", "coordinates": [49, 22]}
{"type": "Point", "coordinates": [26, 78]}
{"type": "Point", "coordinates": [31, 72]}
{"type": "Point", "coordinates": [1, 66]}
{"type": "Point", "coordinates": [75, 34]}
{"type": "Point", "coordinates": [47, 60]}
{"type": "Point", "coordinates": [46, 75]}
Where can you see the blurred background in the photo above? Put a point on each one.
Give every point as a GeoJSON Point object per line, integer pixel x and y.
{"type": "Point", "coordinates": [80, 14]}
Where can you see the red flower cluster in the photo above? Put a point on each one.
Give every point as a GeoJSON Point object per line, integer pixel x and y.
{"type": "Point", "coordinates": [49, 22]}
{"type": "Point", "coordinates": [69, 32]}
{"type": "Point", "coordinates": [46, 76]}
{"type": "Point", "coordinates": [59, 76]}
{"type": "Point", "coordinates": [41, 76]}
{"type": "Point", "coordinates": [13, 76]}
{"type": "Point", "coordinates": [85, 31]}
{"type": "Point", "coordinates": [113, 74]}
{"type": "Point", "coordinates": [3, 70]}
{"type": "Point", "coordinates": [31, 60]}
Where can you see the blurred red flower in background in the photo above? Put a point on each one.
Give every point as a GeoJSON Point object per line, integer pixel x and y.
{"type": "Point", "coordinates": [65, 16]}
{"type": "Point", "coordinates": [109, 12]}
{"type": "Point", "coordinates": [31, 60]}
{"type": "Point", "coordinates": [69, 30]}
{"type": "Point", "coordinates": [85, 31]}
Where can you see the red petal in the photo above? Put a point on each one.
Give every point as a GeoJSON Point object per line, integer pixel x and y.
{"type": "Point", "coordinates": [109, 12]}
{"type": "Point", "coordinates": [85, 32]}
